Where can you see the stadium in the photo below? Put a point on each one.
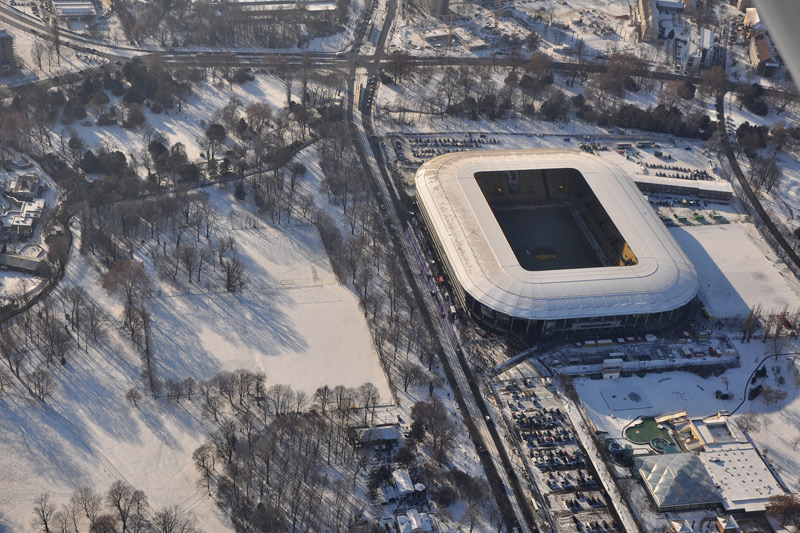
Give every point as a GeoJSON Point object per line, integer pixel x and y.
{"type": "Point", "coordinates": [552, 241]}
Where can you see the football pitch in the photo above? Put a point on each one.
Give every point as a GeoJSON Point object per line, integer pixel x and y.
{"type": "Point", "coordinates": [546, 238]}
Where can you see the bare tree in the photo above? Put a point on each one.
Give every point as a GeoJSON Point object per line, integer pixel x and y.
{"type": "Point", "coordinates": [411, 374]}
{"type": "Point", "coordinates": [369, 398]}
{"type": "Point", "coordinates": [204, 460]}
{"type": "Point", "coordinates": [225, 440]}
{"type": "Point", "coordinates": [96, 320]}
{"type": "Point", "coordinates": [5, 381]}
{"type": "Point", "coordinates": [749, 422]}
{"type": "Point", "coordinates": [188, 257]}
{"type": "Point", "coordinates": [443, 431]}
{"type": "Point", "coordinates": [472, 513]}
{"type": "Point", "coordinates": [104, 523]}
{"type": "Point", "coordinates": [62, 521]}
{"type": "Point", "coordinates": [10, 349]}
{"type": "Point", "coordinates": [226, 245]}
{"type": "Point", "coordinates": [785, 508]}
{"type": "Point", "coordinates": [130, 280]}
{"type": "Point", "coordinates": [44, 510]}
{"type": "Point", "coordinates": [174, 520]}
{"type": "Point", "coordinates": [235, 278]}
{"type": "Point", "coordinates": [323, 397]}
{"type": "Point", "coordinates": [134, 395]}
{"type": "Point", "coordinates": [88, 502]}
{"type": "Point", "coordinates": [38, 51]}
{"type": "Point", "coordinates": [41, 383]}
{"type": "Point", "coordinates": [126, 500]}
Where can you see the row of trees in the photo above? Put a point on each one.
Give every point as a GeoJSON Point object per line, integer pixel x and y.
{"type": "Point", "coordinates": [121, 508]}
{"type": "Point", "coordinates": [473, 92]}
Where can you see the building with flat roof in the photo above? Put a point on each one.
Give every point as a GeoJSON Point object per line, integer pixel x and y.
{"type": "Point", "coordinates": [717, 190]}
{"type": "Point", "coordinates": [714, 431]}
{"type": "Point", "coordinates": [741, 476]}
{"type": "Point", "coordinates": [434, 8]}
{"type": "Point", "coordinates": [547, 241]}
{"type": "Point", "coordinates": [20, 221]}
{"type": "Point", "coordinates": [739, 473]}
{"type": "Point", "coordinates": [74, 9]}
{"type": "Point", "coordinates": [8, 64]}
{"type": "Point", "coordinates": [25, 187]}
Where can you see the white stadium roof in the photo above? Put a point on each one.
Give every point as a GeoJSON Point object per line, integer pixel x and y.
{"type": "Point", "coordinates": [486, 267]}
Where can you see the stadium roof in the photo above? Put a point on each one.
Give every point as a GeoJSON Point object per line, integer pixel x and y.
{"type": "Point", "coordinates": [677, 480]}
{"type": "Point", "coordinates": [486, 267]}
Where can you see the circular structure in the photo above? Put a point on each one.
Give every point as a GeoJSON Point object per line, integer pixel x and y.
{"type": "Point", "coordinates": [615, 447]}
{"type": "Point", "coordinates": [658, 444]}
{"type": "Point", "coordinates": [607, 262]}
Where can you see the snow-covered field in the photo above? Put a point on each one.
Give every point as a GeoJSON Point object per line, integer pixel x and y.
{"type": "Point", "coordinates": [736, 269]}
{"type": "Point", "coordinates": [294, 322]}
{"type": "Point", "coordinates": [88, 435]}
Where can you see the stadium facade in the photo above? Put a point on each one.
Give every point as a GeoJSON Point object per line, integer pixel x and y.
{"type": "Point", "coordinates": [552, 241]}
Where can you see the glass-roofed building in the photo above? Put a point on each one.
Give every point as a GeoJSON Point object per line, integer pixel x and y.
{"type": "Point", "coordinates": [677, 481]}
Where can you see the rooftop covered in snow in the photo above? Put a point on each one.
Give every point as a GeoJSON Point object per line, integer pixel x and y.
{"type": "Point", "coordinates": [742, 477]}
{"type": "Point", "coordinates": [484, 264]}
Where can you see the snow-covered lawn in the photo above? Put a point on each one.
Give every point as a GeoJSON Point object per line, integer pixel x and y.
{"type": "Point", "coordinates": [88, 435]}
{"type": "Point", "coordinates": [293, 321]}
{"type": "Point", "coordinates": [735, 273]}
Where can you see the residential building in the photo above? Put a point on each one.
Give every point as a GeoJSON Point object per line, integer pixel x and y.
{"type": "Point", "coordinates": [26, 187]}
{"type": "Point", "coordinates": [7, 62]}
{"type": "Point", "coordinates": [434, 8]}
{"type": "Point", "coordinates": [21, 220]}
{"type": "Point", "coordinates": [648, 21]}
{"type": "Point", "coordinates": [761, 55]}
{"type": "Point", "coordinates": [23, 263]}
{"type": "Point", "coordinates": [753, 24]}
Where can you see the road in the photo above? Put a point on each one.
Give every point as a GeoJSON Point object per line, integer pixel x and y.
{"type": "Point", "coordinates": [468, 396]}
{"type": "Point", "coordinates": [506, 487]}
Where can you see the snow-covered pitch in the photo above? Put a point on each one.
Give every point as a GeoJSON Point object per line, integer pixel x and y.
{"type": "Point", "coordinates": [482, 264]}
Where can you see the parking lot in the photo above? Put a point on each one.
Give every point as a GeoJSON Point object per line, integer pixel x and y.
{"type": "Point", "coordinates": [553, 457]}
{"type": "Point", "coordinates": [426, 147]}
